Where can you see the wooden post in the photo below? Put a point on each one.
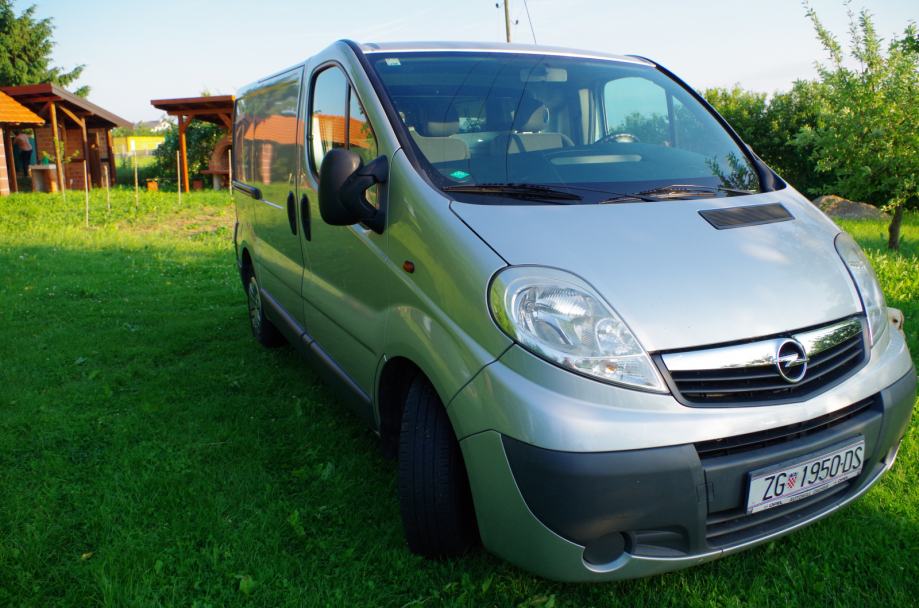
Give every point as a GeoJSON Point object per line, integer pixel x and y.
{"type": "Point", "coordinates": [111, 153]}
{"type": "Point", "coordinates": [85, 137]}
{"type": "Point", "coordinates": [134, 156]}
{"type": "Point", "coordinates": [230, 170]}
{"type": "Point", "coordinates": [10, 152]}
{"type": "Point", "coordinates": [179, 176]}
{"type": "Point", "coordinates": [183, 124]}
{"type": "Point", "coordinates": [108, 199]}
{"type": "Point", "coordinates": [86, 196]}
{"type": "Point", "coordinates": [57, 150]}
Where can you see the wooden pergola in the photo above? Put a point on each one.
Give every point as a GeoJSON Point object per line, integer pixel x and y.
{"type": "Point", "coordinates": [216, 109]}
{"type": "Point", "coordinates": [56, 105]}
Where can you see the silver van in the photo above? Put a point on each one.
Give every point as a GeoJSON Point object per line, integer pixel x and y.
{"type": "Point", "coordinates": [602, 337]}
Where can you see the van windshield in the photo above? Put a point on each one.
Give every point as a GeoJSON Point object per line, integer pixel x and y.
{"type": "Point", "coordinates": [592, 127]}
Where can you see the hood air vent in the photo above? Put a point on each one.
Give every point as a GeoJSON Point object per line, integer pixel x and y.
{"type": "Point", "coordinates": [753, 215]}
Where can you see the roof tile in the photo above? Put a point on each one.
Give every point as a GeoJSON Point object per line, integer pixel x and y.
{"type": "Point", "coordinates": [11, 111]}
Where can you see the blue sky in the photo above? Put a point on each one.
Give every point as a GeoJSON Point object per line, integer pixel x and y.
{"type": "Point", "coordinates": [137, 51]}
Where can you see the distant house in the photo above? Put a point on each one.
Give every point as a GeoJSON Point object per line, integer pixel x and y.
{"type": "Point", "coordinates": [156, 126]}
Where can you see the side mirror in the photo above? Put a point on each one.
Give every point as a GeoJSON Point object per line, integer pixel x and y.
{"type": "Point", "coordinates": [343, 184]}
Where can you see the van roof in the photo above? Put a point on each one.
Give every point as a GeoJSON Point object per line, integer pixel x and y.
{"type": "Point", "coordinates": [458, 47]}
{"type": "Point", "coordinates": [491, 47]}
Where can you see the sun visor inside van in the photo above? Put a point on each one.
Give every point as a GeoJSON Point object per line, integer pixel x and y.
{"type": "Point", "coordinates": [544, 74]}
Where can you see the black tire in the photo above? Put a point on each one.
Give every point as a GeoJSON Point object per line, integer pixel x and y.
{"type": "Point", "coordinates": [262, 328]}
{"type": "Point", "coordinates": [436, 504]}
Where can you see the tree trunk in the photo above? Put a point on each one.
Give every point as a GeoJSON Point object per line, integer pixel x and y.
{"type": "Point", "coordinates": [893, 242]}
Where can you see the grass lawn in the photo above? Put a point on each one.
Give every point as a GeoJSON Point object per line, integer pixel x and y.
{"type": "Point", "coordinates": [152, 454]}
{"type": "Point", "coordinates": [124, 171]}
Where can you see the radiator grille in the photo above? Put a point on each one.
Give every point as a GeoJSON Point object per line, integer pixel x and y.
{"type": "Point", "coordinates": [761, 382]}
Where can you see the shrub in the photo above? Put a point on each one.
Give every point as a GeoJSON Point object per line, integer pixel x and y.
{"type": "Point", "coordinates": [200, 139]}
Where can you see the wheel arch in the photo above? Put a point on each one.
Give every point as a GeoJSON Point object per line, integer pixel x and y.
{"type": "Point", "coordinates": [394, 379]}
{"type": "Point", "coordinates": [246, 263]}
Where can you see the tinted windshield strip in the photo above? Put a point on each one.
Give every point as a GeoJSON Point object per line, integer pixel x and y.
{"type": "Point", "coordinates": [629, 59]}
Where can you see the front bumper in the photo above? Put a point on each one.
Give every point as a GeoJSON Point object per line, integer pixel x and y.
{"type": "Point", "coordinates": [590, 516]}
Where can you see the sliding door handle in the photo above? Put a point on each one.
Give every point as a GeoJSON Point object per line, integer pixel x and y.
{"type": "Point", "coordinates": [292, 212]}
{"type": "Point", "coordinates": [305, 217]}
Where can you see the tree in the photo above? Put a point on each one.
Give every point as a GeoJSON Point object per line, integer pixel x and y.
{"type": "Point", "coordinates": [26, 44]}
{"type": "Point", "coordinates": [771, 125]}
{"type": "Point", "coordinates": [790, 112]}
{"type": "Point", "coordinates": [745, 111]}
{"type": "Point", "coordinates": [867, 128]}
{"type": "Point", "coordinates": [200, 139]}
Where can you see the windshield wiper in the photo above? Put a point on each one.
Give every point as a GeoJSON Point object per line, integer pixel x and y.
{"type": "Point", "coordinates": [623, 198]}
{"type": "Point", "coordinates": [691, 189]}
{"type": "Point", "coordinates": [527, 191]}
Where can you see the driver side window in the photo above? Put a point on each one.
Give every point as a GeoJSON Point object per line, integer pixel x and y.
{"type": "Point", "coordinates": [636, 107]}
{"type": "Point", "coordinates": [337, 120]}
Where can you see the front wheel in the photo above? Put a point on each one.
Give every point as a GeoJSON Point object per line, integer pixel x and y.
{"type": "Point", "coordinates": [436, 504]}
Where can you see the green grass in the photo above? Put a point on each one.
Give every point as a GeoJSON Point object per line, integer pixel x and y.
{"type": "Point", "coordinates": [152, 454]}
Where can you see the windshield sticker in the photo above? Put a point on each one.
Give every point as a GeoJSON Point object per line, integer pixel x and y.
{"type": "Point", "coordinates": [393, 61]}
{"type": "Point", "coordinates": [459, 175]}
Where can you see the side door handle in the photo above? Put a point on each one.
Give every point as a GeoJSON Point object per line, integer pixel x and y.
{"type": "Point", "coordinates": [292, 212]}
{"type": "Point", "coordinates": [305, 217]}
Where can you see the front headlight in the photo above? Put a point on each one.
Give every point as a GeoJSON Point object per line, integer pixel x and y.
{"type": "Point", "coordinates": [865, 282]}
{"type": "Point", "coordinates": [559, 317]}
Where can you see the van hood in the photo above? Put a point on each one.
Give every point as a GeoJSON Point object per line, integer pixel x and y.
{"type": "Point", "coordinates": [676, 280]}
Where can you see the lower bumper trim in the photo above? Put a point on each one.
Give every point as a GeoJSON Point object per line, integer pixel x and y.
{"type": "Point", "coordinates": [629, 566]}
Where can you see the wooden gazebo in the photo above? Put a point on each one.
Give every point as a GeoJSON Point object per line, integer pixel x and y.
{"type": "Point", "coordinates": [216, 109]}
{"type": "Point", "coordinates": [83, 127]}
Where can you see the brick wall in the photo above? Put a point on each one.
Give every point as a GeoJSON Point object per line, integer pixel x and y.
{"type": "Point", "coordinates": [4, 178]}
{"type": "Point", "coordinates": [103, 141]}
{"type": "Point", "coordinates": [73, 144]}
{"type": "Point", "coordinates": [99, 139]}
{"type": "Point", "coordinates": [43, 142]}
{"type": "Point", "coordinates": [73, 147]}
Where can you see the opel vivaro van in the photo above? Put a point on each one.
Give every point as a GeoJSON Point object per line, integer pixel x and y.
{"type": "Point", "coordinates": [602, 337]}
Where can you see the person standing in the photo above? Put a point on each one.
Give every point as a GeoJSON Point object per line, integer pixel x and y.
{"type": "Point", "coordinates": [23, 146]}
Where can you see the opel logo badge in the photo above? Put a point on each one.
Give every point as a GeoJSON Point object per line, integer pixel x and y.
{"type": "Point", "coordinates": [791, 361]}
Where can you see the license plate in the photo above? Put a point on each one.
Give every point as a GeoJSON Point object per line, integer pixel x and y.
{"type": "Point", "coordinates": [796, 480]}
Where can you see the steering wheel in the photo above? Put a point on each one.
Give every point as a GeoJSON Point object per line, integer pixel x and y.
{"type": "Point", "coordinates": [622, 138]}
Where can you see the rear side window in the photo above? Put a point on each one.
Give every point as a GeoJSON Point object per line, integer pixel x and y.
{"type": "Point", "coordinates": [265, 134]}
{"type": "Point", "coordinates": [337, 119]}
{"type": "Point", "coordinates": [242, 147]}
